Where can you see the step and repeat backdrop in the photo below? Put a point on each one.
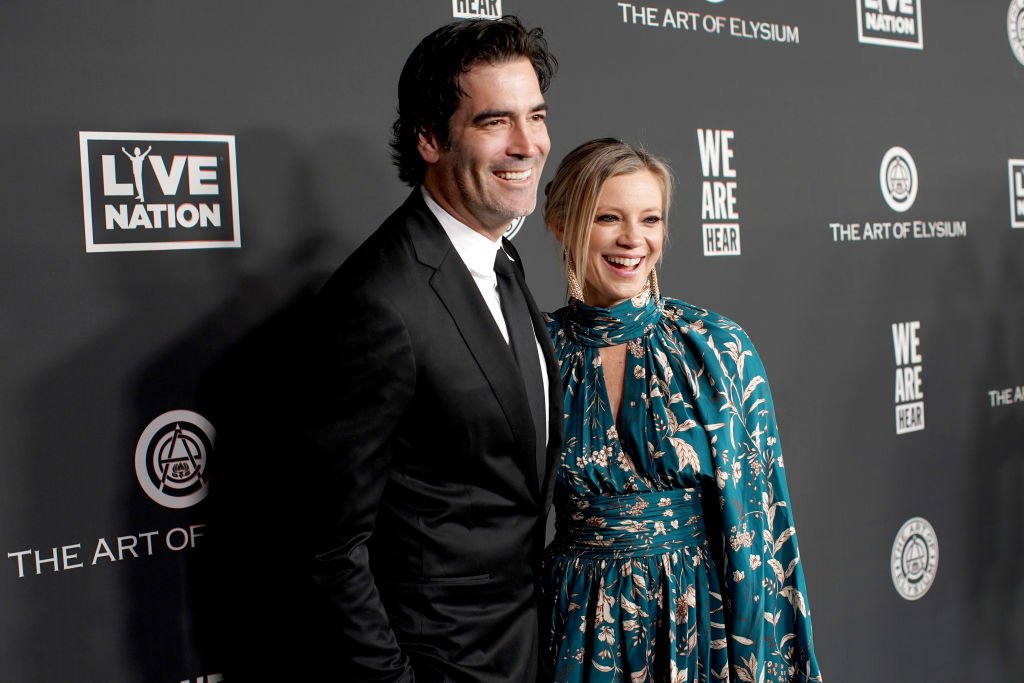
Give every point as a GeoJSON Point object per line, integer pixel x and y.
{"type": "Point", "coordinates": [179, 177]}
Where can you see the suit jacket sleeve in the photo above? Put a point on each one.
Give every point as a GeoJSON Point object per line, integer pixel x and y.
{"type": "Point", "coordinates": [362, 376]}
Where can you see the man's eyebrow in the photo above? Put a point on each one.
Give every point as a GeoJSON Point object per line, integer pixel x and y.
{"type": "Point", "coordinates": [503, 113]}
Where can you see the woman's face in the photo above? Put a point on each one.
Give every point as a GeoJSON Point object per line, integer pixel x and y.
{"type": "Point", "coordinates": [626, 238]}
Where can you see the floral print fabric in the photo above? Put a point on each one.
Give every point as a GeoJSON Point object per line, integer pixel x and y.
{"type": "Point", "coordinates": [637, 589]}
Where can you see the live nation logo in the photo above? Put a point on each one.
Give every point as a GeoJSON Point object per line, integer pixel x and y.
{"type": "Point", "coordinates": [157, 191]}
{"type": "Point", "coordinates": [896, 23]}
{"type": "Point", "coordinates": [899, 182]}
{"type": "Point", "coordinates": [1016, 167]}
{"type": "Point", "coordinates": [476, 9]}
{"type": "Point", "coordinates": [718, 212]}
{"type": "Point", "coordinates": [909, 395]}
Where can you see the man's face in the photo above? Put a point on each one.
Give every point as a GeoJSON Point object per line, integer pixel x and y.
{"type": "Point", "coordinates": [488, 173]}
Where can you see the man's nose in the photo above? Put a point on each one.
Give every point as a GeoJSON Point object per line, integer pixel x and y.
{"type": "Point", "coordinates": [525, 141]}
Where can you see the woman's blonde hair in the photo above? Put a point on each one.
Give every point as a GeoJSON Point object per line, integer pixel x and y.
{"type": "Point", "coordinates": [571, 197]}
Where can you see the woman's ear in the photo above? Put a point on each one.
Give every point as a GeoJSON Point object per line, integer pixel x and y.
{"type": "Point", "coordinates": [557, 229]}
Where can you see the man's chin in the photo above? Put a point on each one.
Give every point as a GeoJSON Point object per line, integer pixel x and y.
{"type": "Point", "coordinates": [505, 214]}
{"type": "Point", "coordinates": [511, 212]}
{"type": "Point", "coordinates": [520, 202]}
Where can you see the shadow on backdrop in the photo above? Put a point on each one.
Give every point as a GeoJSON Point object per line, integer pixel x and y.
{"type": "Point", "coordinates": [253, 591]}
{"type": "Point", "coordinates": [253, 595]}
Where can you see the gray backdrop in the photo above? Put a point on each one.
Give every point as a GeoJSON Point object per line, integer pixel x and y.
{"type": "Point", "coordinates": [102, 581]}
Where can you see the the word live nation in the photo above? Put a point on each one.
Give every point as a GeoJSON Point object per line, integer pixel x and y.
{"type": "Point", "coordinates": [898, 16]}
{"type": "Point", "coordinates": [156, 216]}
{"type": "Point", "coordinates": [683, 20]}
{"type": "Point", "coordinates": [197, 173]}
{"type": "Point", "coordinates": [133, 546]}
{"type": "Point", "coordinates": [898, 230]}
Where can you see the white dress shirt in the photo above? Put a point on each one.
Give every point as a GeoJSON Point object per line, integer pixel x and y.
{"type": "Point", "coordinates": [478, 251]}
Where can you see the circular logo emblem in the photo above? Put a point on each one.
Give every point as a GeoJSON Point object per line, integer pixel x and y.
{"type": "Point", "coordinates": [514, 227]}
{"type": "Point", "coordinates": [1015, 28]}
{"type": "Point", "coordinates": [915, 558]}
{"type": "Point", "coordinates": [171, 458]}
{"type": "Point", "coordinates": [898, 178]}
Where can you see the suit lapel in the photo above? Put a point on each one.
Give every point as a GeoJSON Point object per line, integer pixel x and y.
{"type": "Point", "coordinates": [457, 290]}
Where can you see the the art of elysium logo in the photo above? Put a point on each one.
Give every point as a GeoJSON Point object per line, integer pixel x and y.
{"type": "Point", "coordinates": [718, 211]}
{"type": "Point", "coordinates": [691, 22]}
{"type": "Point", "coordinates": [514, 227]}
{"type": "Point", "coordinates": [476, 9]}
{"type": "Point", "coordinates": [899, 182]}
{"type": "Point", "coordinates": [1015, 28]}
{"type": "Point", "coordinates": [1016, 167]}
{"type": "Point", "coordinates": [915, 558]}
{"type": "Point", "coordinates": [172, 458]}
{"type": "Point", "coordinates": [156, 191]}
{"type": "Point", "coordinates": [898, 178]}
{"type": "Point", "coordinates": [1006, 396]}
{"type": "Point", "coordinates": [896, 23]}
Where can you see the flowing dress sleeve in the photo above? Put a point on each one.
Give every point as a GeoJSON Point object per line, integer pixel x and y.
{"type": "Point", "coordinates": [767, 614]}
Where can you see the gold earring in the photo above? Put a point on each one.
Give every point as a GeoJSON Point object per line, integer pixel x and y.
{"type": "Point", "coordinates": [575, 291]}
{"type": "Point", "coordinates": [655, 290]}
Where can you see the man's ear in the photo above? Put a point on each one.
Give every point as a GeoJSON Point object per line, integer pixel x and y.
{"type": "Point", "coordinates": [428, 146]}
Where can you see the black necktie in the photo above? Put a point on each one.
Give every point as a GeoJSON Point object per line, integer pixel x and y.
{"type": "Point", "coordinates": [524, 348]}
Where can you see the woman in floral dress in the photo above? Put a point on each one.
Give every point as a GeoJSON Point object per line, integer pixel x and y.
{"type": "Point", "coordinates": [675, 557]}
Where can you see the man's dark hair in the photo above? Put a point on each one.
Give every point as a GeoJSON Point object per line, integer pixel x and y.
{"type": "Point", "coordinates": [429, 90]}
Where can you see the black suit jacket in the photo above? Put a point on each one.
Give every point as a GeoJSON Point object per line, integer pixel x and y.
{"type": "Point", "coordinates": [429, 511]}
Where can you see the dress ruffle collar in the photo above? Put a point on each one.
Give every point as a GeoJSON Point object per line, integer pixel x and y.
{"type": "Point", "coordinates": [598, 326]}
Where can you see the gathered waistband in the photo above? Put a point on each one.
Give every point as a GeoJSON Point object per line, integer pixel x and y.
{"type": "Point", "coordinates": [629, 524]}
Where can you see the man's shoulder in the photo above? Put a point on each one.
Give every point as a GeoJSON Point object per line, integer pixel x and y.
{"type": "Point", "coordinates": [389, 254]}
{"type": "Point", "coordinates": [385, 249]}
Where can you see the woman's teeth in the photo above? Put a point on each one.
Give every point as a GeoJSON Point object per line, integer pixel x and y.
{"type": "Point", "coordinates": [623, 261]}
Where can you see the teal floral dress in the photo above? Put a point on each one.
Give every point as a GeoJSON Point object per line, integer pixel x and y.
{"type": "Point", "coordinates": [675, 557]}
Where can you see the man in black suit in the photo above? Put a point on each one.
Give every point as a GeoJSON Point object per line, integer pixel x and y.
{"type": "Point", "coordinates": [435, 434]}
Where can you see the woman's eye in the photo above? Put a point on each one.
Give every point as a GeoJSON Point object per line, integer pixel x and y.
{"type": "Point", "coordinates": [653, 220]}
{"type": "Point", "coordinates": [607, 218]}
